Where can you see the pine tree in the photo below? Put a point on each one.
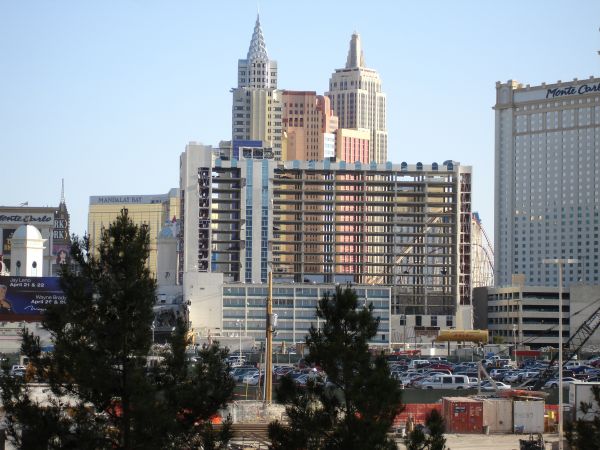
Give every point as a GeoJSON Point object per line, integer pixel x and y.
{"type": "Point", "coordinates": [585, 434]}
{"type": "Point", "coordinates": [104, 395]}
{"type": "Point", "coordinates": [431, 437]}
{"type": "Point", "coordinates": [356, 406]}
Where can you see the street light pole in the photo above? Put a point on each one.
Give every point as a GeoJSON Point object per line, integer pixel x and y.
{"type": "Point", "coordinates": [559, 262]}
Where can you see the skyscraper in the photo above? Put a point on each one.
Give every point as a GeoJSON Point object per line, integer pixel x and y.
{"type": "Point", "coordinates": [547, 184]}
{"type": "Point", "coordinates": [357, 99]}
{"type": "Point", "coordinates": [257, 108]}
{"type": "Point", "coordinates": [309, 126]}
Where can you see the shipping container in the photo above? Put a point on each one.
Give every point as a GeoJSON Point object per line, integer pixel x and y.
{"type": "Point", "coordinates": [528, 416]}
{"type": "Point", "coordinates": [498, 415]}
{"type": "Point", "coordinates": [462, 414]}
{"type": "Point", "coordinates": [582, 392]}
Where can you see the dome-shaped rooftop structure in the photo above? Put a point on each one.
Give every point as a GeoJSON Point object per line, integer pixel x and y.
{"type": "Point", "coordinates": [166, 233]}
{"type": "Point", "coordinates": [27, 232]}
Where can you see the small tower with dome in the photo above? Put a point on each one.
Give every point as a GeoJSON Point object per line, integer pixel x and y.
{"type": "Point", "coordinates": [27, 252]}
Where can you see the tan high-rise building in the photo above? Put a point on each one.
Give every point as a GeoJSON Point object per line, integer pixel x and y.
{"type": "Point", "coordinates": [151, 210]}
{"type": "Point", "coordinates": [257, 108]}
{"type": "Point", "coordinates": [357, 100]}
{"type": "Point", "coordinates": [309, 126]}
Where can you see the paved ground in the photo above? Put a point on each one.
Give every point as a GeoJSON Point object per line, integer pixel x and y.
{"type": "Point", "coordinates": [493, 441]}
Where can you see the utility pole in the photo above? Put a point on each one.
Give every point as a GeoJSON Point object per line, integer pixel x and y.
{"type": "Point", "coordinates": [269, 346]}
{"type": "Point", "coordinates": [560, 262]}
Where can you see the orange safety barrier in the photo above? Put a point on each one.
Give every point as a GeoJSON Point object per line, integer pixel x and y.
{"type": "Point", "coordinates": [418, 412]}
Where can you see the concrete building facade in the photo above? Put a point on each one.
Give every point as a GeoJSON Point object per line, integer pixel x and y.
{"type": "Point", "coordinates": [528, 315]}
{"type": "Point", "coordinates": [547, 181]}
{"type": "Point", "coordinates": [358, 101]}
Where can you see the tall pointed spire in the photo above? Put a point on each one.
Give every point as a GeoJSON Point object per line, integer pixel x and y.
{"type": "Point", "coordinates": [258, 48]}
{"type": "Point", "coordinates": [355, 53]}
{"type": "Point", "coordinates": [62, 191]}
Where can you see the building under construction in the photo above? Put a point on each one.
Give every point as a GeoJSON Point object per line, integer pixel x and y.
{"type": "Point", "coordinates": [407, 227]}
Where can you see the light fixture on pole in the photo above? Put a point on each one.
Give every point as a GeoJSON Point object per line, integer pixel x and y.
{"type": "Point", "coordinates": [560, 262]}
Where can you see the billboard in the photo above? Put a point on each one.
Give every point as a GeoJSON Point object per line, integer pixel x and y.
{"type": "Point", "coordinates": [26, 298]}
{"type": "Point", "coordinates": [463, 336]}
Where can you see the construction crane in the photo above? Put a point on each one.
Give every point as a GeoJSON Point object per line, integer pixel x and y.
{"type": "Point", "coordinates": [571, 347]}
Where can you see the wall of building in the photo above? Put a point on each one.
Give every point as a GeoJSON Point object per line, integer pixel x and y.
{"type": "Point", "coordinates": [414, 226]}
{"type": "Point", "coordinates": [547, 188]}
{"type": "Point", "coordinates": [204, 294]}
{"type": "Point", "coordinates": [151, 210]}
{"type": "Point", "coordinates": [295, 306]}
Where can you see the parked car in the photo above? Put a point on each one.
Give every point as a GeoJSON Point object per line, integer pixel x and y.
{"type": "Point", "coordinates": [440, 366]}
{"type": "Point", "coordinates": [418, 363]}
{"type": "Point", "coordinates": [553, 383]}
{"type": "Point", "coordinates": [17, 371]}
{"type": "Point", "coordinates": [446, 382]}
{"type": "Point", "coordinates": [489, 387]}
{"type": "Point", "coordinates": [253, 378]}
{"type": "Point", "coordinates": [239, 376]}
{"type": "Point", "coordinates": [498, 374]}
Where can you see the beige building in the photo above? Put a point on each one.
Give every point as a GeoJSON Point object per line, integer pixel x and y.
{"type": "Point", "coordinates": [152, 210]}
{"type": "Point", "coordinates": [309, 126]}
{"type": "Point", "coordinates": [357, 99]}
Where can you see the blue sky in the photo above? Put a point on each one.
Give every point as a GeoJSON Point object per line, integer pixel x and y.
{"type": "Point", "coordinates": [106, 94]}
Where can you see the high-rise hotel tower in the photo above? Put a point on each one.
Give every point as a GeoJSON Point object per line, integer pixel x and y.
{"type": "Point", "coordinates": [356, 98]}
{"type": "Point", "coordinates": [547, 181]}
{"type": "Point", "coordinates": [257, 107]}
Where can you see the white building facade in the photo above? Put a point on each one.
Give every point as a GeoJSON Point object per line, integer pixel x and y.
{"type": "Point", "coordinates": [547, 181]}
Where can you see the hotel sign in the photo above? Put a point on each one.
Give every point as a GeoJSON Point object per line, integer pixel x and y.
{"type": "Point", "coordinates": [572, 90]}
{"type": "Point", "coordinates": [127, 199]}
{"type": "Point", "coordinates": [40, 219]}
{"type": "Point", "coordinates": [556, 92]}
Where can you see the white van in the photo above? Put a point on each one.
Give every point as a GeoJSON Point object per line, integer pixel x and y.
{"type": "Point", "coordinates": [446, 382]}
{"type": "Point", "coordinates": [418, 363]}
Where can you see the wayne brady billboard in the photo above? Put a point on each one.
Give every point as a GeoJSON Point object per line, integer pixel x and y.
{"type": "Point", "coordinates": [26, 298]}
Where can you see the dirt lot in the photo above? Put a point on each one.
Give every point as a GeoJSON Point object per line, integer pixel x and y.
{"type": "Point", "coordinates": [494, 441]}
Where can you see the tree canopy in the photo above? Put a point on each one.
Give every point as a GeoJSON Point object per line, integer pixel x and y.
{"type": "Point", "coordinates": [354, 407]}
{"type": "Point", "coordinates": [104, 393]}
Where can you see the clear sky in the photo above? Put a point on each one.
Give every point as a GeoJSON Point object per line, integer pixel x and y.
{"type": "Point", "coordinates": [106, 94]}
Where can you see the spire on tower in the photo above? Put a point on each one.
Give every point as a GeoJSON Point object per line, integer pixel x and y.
{"type": "Point", "coordinates": [355, 53]}
{"type": "Point", "coordinates": [258, 48]}
{"type": "Point", "coordinates": [62, 191]}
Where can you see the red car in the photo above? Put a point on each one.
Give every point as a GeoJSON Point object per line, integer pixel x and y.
{"type": "Point", "coordinates": [439, 366]}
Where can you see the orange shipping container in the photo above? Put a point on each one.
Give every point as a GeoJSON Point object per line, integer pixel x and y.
{"type": "Point", "coordinates": [462, 415]}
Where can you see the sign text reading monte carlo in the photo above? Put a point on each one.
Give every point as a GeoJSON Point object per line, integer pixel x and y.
{"type": "Point", "coordinates": [26, 218]}
{"type": "Point", "coordinates": [572, 90]}
{"type": "Point", "coordinates": [127, 199]}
